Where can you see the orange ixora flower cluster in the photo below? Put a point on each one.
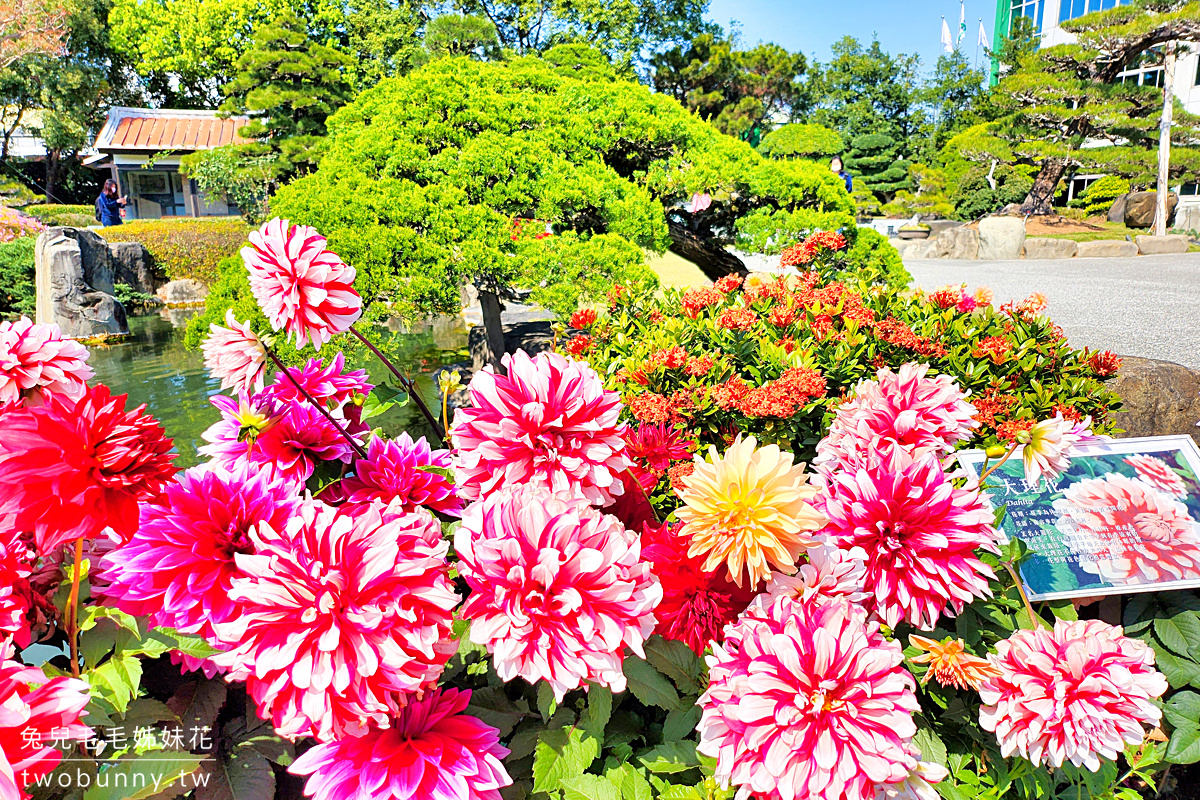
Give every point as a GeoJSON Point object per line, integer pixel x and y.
{"type": "Point", "coordinates": [737, 319]}
{"type": "Point", "coordinates": [807, 251]}
{"type": "Point", "coordinates": [1104, 363]}
{"type": "Point", "coordinates": [996, 348]}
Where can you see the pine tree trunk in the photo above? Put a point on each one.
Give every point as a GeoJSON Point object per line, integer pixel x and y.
{"type": "Point", "coordinates": [707, 254]}
{"type": "Point", "coordinates": [1164, 143]}
{"type": "Point", "coordinates": [52, 157]}
{"type": "Point", "coordinates": [493, 326]}
{"type": "Point", "coordinates": [1041, 196]}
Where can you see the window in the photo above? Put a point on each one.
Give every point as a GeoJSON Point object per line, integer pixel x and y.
{"type": "Point", "coordinates": [1189, 189]}
{"type": "Point", "coordinates": [1070, 9]}
{"type": "Point", "coordinates": [1028, 8]}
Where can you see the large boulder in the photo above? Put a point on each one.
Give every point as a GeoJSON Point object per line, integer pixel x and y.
{"type": "Point", "coordinates": [1042, 249]}
{"type": "Point", "coordinates": [1001, 238]}
{"type": "Point", "coordinates": [1159, 398]}
{"type": "Point", "coordinates": [183, 292]}
{"type": "Point", "coordinates": [937, 226]}
{"type": "Point", "coordinates": [1140, 207]}
{"type": "Point", "coordinates": [1163, 245]}
{"type": "Point", "coordinates": [1116, 212]}
{"type": "Point", "coordinates": [910, 249]}
{"type": "Point", "coordinates": [74, 284]}
{"type": "Point", "coordinates": [1107, 248]}
{"type": "Point", "coordinates": [134, 266]}
{"type": "Point", "coordinates": [955, 243]}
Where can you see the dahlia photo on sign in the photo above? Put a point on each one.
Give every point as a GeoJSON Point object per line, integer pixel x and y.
{"type": "Point", "coordinates": [1122, 516]}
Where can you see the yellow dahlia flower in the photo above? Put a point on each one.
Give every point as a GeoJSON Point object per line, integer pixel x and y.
{"type": "Point", "coordinates": [748, 509]}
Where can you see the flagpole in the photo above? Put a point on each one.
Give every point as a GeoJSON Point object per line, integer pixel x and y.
{"type": "Point", "coordinates": [977, 46]}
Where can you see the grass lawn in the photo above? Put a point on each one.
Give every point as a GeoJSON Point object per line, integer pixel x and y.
{"type": "Point", "coordinates": [1112, 230]}
{"type": "Point", "coordinates": [675, 272]}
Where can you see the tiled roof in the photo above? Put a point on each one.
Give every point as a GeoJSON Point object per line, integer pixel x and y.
{"type": "Point", "coordinates": [153, 129]}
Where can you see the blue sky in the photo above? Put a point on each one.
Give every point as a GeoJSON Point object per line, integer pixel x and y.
{"type": "Point", "coordinates": [908, 26]}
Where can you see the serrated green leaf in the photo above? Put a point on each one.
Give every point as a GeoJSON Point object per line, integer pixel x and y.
{"type": "Point", "coordinates": [545, 701]}
{"type": "Point", "coordinates": [434, 469]}
{"type": "Point", "coordinates": [1184, 745]}
{"type": "Point", "coordinates": [93, 613]}
{"type": "Point", "coordinates": [680, 723]}
{"type": "Point", "coordinates": [241, 775]}
{"type": "Point", "coordinates": [677, 661]}
{"type": "Point", "coordinates": [1168, 632]}
{"type": "Point", "coordinates": [492, 706]}
{"type": "Point", "coordinates": [1183, 709]}
{"type": "Point", "coordinates": [1064, 609]}
{"type": "Point", "coordinates": [670, 757]}
{"type": "Point", "coordinates": [931, 746]}
{"type": "Point", "coordinates": [135, 778]}
{"type": "Point", "coordinates": [648, 684]}
{"type": "Point", "coordinates": [185, 643]}
{"type": "Point", "coordinates": [674, 792]}
{"type": "Point", "coordinates": [589, 787]}
{"type": "Point", "coordinates": [1178, 671]}
{"type": "Point", "coordinates": [632, 783]}
{"type": "Point", "coordinates": [560, 754]}
{"type": "Point", "coordinates": [594, 718]}
{"type": "Point", "coordinates": [116, 680]}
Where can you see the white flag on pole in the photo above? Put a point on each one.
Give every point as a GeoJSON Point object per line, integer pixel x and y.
{"type": "Point", "coordinates": [947, 42]}
{"type": "Point", "coordinates": [983, 40]}
{"type": "Point", "coordinates": [962, 22]}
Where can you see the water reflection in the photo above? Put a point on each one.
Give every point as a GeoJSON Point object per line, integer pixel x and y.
{"type": "Point", "coordinates": [154, 368]}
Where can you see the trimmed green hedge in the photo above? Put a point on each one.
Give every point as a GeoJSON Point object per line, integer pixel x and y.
{"type": "Point", "coordinates": [185, 247]}
{"type": "Point", "coordinates": [17, 276]}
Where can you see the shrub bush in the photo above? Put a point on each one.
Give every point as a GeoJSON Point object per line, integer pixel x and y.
{"type": "Point", "coordinates": [1099, 196]}
{"type": "Point", "coordinates": [17, 293]}
{"type": "Point", "coordinates": [61, 214]}
{"type": "Point", "coordinates": [184, 248]}
{"type": "Point", "coordinates": [975, 197]}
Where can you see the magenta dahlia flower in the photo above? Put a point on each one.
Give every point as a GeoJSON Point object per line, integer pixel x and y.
{"type": "Point", "coordinates": [920, 534]}
{"type": "Point", "coordinates": [1147, 536]}
{"type": "Point", "coordinates": [549, 423]}
{"type": "Point", "coordinates": [35, 711]}
{"type": "Point", "coordinates": [235, 355]}
{"type": "Point", "coordinates": [303, 288]}
{"type": "Point", "coordinates": [1078, 693]}
{"type": "Point", "coordinates": [392, 471]}
{"type": "Point", "coordinates": [76, 466]}
{"type": "Point", "coordinates": [341, 616]}
{"type": "Point", "coordinates": [558, 590]}
{"type": "Point", "coordinates": [1158, 474]}
{"type": "Point", "coordinates": [180, 565]}
{"type": "Point", "coordinates": [16, 565]}
{"type": "Point", "coordinates": [904, 413]}
{"type": "Point", "coordinates": [432, 751]}
{"type": "Point", "coordinates": [36, 360]}
{"type": "Point", "coordinates": [807, 701]}
{"type": "Point", "coordinates": [340, 392]}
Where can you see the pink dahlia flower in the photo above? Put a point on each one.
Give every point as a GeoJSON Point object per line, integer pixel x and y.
{"type": "Point", "coordinates": [341, 616]}
{"type": "Point", "coordinates": [828, 572]}
{"type": "Point", "coordinates": [1048, 444]}
{"type": "Point", "coordinates": [1148, 536]}
{"type": "Point", "coordinates": [392, 471]}
{"type": "Point", "coordinates": [1158, 474]}
{"type": "Point", "coordinates": [303, 288]}
{"type": "Point", "coordinates": [920, 534]}
{"type": "Point", "coordinates": [917, 786]}
{"type": "Point", "coordinates": [36, 360]}
{"type": "Point", "coordinates": [1078, 693]}
{"type": "Point", "coordinates": [180, 565]}
{"type": "Point", "coordinates": [74, 467]}
{"type": "Point", "coordinates": [558, 590]}
{"type": "Point", "coordinates": [549, 423]}
{"type": "Point", "coordinates": [807, 701]}
{"type": "Point", "coordinates": [903, 413]}
{"type": "Point", "coordinates": [340, 392]}
{"type": "Point", "coordinates": [16, 565]}
{"type": "Point", "coordinates": [35, 711]}
{"type": "Point", "coordinates": [235, 355]}
{"type": "Point", "coordinates": [432, 751]}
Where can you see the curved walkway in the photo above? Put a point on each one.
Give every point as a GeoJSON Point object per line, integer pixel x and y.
{"type": "Point", "coordinates": [1147, 306]}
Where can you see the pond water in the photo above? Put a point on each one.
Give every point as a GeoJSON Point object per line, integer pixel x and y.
{"type": "Point", "coordinates": [153, 367]}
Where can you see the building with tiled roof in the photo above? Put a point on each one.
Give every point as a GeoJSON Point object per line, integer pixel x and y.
{"type": "Point", "coordinates": [142, 147]}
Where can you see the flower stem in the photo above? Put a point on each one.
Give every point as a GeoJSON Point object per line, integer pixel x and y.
{"type": "Point", "coordinates": [998, 464]}
{"type": "Point", "coordinates": [73, 609]}
{"type": "Point", "coordinates": [320, 407]}
{"type": "Point", "coordinates": [1034, 619]}
{"type": "Point", "coordinates": [408, 385]}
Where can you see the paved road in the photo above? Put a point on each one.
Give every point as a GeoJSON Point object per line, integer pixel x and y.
{"type": "Point", "coordinates": [1147, 306]}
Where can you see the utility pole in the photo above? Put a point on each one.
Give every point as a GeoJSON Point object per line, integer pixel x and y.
{"type": "Point", "coordinates": [1164, 141]}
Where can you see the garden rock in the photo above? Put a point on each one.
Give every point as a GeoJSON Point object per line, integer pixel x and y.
{"type": "Point", "coordinates": [1159, 398]}
{"type": "Point", "coordinates": [1162, 245]}
{"type": "Point", "coordinates": [937, 226]}
{"type": "Point", "coordinates": [1139, 208]}
{"type": "Point", "coordinates": [957, 242]}
{"type": "Point", "coordinates": [134, 267]}
{"type": "Point", "coordinates": [532, 337]}
{"type": "Point", "coordinates": [183, 292]}
{"type": "Point", "coordinates": [74, 284]}
{"type": "Point", "coordinates": [1117, 212]}
{"type": "Point", "coordinates": [913, 248]}
{"type": "Point", "coordinates": [1107, 248]}
{"type": "Point", "coordinates": [1040, 249]}
{"type": "Point", "coordinates": [1001, 238]}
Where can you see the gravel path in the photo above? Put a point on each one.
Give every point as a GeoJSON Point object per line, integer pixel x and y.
{"type": "Point", "coordinates": [1147, 306]}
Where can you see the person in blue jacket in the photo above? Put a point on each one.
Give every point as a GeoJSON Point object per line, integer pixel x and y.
{"type": "Point", "coordinates": [109, 205]}
{"type": "Point", "coordinates": [836, 166]}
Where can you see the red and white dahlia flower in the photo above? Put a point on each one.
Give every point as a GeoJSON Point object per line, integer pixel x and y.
{"type": "Point", "coordinates": [1158, 474]}
{"type": "Point", "coordinates": [303, 288]}
{"type": "Point", "coordinates": [235, 355]}
{"type": "Point", "coordinates": [558, 590]}
{"type": "Point", "coordinates": [35, 360]}
{"type": "Point", "coordinates": [549, 423]}
{"type": "Point", "coordinates": [432, 751]}
{"type": "Point", "coordinates": [808, 701]}
{"type": "Point", "coordinates": [1078, 693]}
{"type": "Point", "coordinates": [827, 572]}
{"type": "Point", "coordinates": [341, 616]}
{"type": "Point", "coordinates": [1147, 536]}
{"type": "Point", "coordinates": [920, 534]}
{"type": "Point", "coordinates": [35, 711]}
{"type": "Point", "coordinates": [392, 472]}
{"type": "Point", "coordinates": [16, 565]}
{"type": "Point", "coordinates": [898, 413]}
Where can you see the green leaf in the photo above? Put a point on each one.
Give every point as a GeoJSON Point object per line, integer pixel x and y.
{"type": "Point", "coordinates": [648, 684]}
{"type": "Point", "coordinates": [931, 747]}
{"type": "Point", "coordinates": [116, 680]}
{"type": "Point", "coordinates": [545, 701]}
{"type": "Point", "coordinates": [1184, 746]}
{"type": "Point", "coordinates": [633, 786]}
{"type": "Point", "coordinates": [144, 776]}
{"type": "Point", "coordinates": [595, 717]}
{"type": "Point", "coordinates": [1064, 609]}
{"type": "Point", "coordinates": [197, 703]}
{"type": "Point", "coordinates": [680, 722]}
{"type": "Point", "coordinates": [1183, 709]}
{"type": "Point", "coordinates": [590, 787]}
{"type": "Point", "coordinates": [677, 661]}
{"type": "Point", "coordinates": [674, 792]}
{"type": "Point", "coordinates": [93, 613]}
{"type": "Point", "coordinates": [242, 775]}
{"type": "Point", "coordinates": [492, 706]}
{"type": "Point", "coordinates": [434, 469]}
{"type": "Point", "coordinates": [670, 757]}
{"type": "Point", "coordinates": [560, 754]}
{"type": "Point", "coordinates": [1179, 671]}
{"type": "Point", "coordinates": [185, 643]}
{"type": "Point", "coordinates": [1170, 634]}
